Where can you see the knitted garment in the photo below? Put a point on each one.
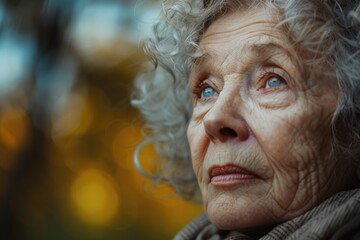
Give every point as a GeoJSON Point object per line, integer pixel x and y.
{"type": "Point", "coordinates": [334, 218]}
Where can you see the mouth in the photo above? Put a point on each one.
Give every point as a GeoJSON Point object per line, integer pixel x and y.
{"type": "Point", "coordinates": [229, 174]}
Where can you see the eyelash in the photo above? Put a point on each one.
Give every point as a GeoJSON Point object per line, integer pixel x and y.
{"type": "Point", "coordinates": [200, 85]}
{"type": "Point", "coordinates": [266, 76]}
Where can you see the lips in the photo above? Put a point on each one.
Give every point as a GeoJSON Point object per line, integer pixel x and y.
{"type": "Point", "coordinates": [229, 174]}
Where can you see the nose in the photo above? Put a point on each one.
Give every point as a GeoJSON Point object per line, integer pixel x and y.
{"type": "Point", "coordinates": [223, 122]}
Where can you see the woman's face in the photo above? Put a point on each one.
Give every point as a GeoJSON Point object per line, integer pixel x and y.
{"type": "Point", "coordinates": [260, 133]}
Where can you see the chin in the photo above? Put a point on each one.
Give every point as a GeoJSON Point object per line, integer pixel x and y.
{"type": "Point", "coordinates": [234, 213]}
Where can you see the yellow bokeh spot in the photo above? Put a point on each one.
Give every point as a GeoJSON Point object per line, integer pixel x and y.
{"type": "Point", "coordinates": [94, 197]}
{"type": "Point", "coordinates": [13, 127]}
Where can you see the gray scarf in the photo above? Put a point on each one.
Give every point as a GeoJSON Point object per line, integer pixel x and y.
{"type": "Point", "coordinates": [321, 222]}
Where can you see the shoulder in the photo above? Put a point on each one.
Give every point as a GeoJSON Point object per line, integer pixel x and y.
{"type": "Point", "coordinates": [349, 231]}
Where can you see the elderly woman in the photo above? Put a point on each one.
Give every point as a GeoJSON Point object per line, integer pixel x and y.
{"type": "Point", "coordinates": [256, 104]}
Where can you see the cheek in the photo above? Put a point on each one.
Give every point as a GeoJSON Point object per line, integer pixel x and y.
{"type": "Point", "coordinates": [298, 132]}
{"type": "Point", "coordinates": [273, 134]}
{"type": "Point", "coordinates": [294, 143]}
{"type": "Point", "coordinates": [198, 142]}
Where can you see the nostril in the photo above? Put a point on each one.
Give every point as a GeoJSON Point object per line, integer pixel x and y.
{"type": "Point", "coordinates": [228, 132]}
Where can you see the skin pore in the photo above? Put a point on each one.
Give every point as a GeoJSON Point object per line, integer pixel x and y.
{"type": "Point", "coordinates": [257, 109]}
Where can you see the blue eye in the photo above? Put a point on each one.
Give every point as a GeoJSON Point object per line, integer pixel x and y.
{"type": "Point", "coordinates": [208, 92]}
{"type": "Point", "coordinates": [274, 82]}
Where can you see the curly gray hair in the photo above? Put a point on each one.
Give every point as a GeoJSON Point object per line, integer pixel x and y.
{"type": "Point", "coordinates": [327, 28]}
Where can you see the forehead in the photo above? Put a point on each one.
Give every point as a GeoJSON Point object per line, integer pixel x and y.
{"type": "Point", "coordinates": [255, 24]}
{"type": "Point", "coordinates": [244, 35]}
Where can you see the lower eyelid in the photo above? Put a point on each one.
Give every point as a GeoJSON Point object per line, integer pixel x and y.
{"type": "Point", "coordinates": [275, 89]}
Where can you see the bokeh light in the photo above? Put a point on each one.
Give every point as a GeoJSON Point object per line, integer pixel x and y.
{"type": "Point", "coordinates": [67, 129]}
{"type": "Point", "coordinates": [16, 53]}
{"type": "Point", "coordinates": [72, 115]}
{"type": "Point", "coordinates": [13, 127]}
{"type": "Point", "coordinates": [14, 124]}
{"type": "Point", "coordinates": [94, 196]}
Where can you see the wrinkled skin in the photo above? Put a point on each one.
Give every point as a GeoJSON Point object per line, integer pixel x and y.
{"type": "Point", "coordinates": [281, 133]}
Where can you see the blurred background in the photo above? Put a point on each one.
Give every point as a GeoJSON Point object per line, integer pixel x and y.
{"type": "Point", "coordinates": [67, 130]}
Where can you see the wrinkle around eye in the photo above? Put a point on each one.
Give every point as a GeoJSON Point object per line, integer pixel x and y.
{"type": "Point", "coordinates": [199, 113]}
